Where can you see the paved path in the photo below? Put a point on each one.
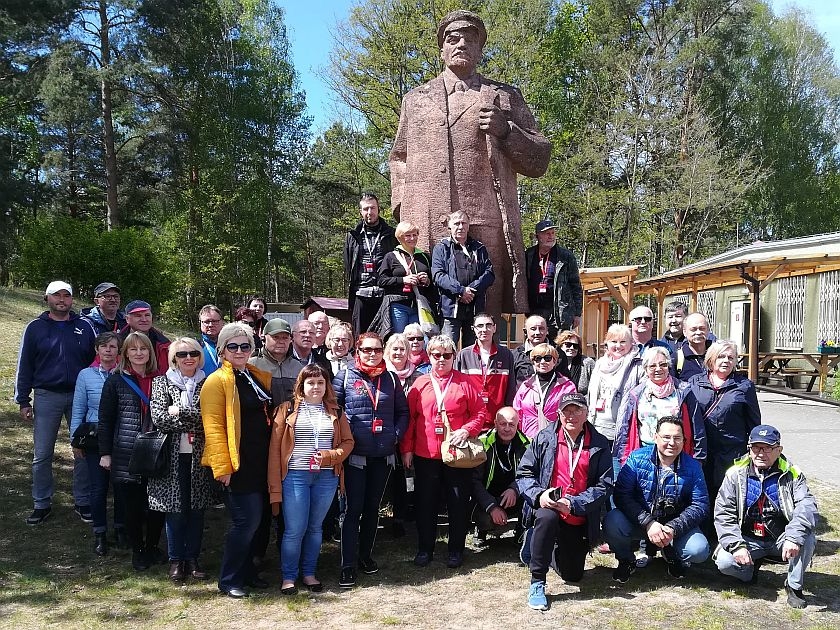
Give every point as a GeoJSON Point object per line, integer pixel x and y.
{"type": "Point", "coordinates": [810, 433]}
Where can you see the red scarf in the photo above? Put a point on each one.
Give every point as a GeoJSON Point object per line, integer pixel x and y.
{"type": "Point", "coordinates": [418, 359]}
{"type": "Point", "coordinates": [371, 371]}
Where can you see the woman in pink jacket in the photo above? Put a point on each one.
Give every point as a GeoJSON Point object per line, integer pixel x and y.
{"type": "Point", "coordinates": [539, 395]}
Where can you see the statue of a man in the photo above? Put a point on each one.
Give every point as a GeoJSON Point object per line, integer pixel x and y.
{"type": "Point", "coordinates": [461, 141]}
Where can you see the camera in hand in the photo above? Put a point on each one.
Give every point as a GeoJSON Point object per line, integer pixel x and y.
{"type": "Point", "coordinates": [555, 494]}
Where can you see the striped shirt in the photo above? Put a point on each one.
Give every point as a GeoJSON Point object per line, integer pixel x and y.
{"type": "Point", "coordinates": [313, 432]}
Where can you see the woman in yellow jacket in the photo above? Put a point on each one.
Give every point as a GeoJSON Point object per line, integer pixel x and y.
{"type": "Point", "coordinates": [310, 440]}
{"type": "Point", "coordinates": [236, 412]}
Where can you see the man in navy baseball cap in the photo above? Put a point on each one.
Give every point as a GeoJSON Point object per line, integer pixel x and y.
{"type": "Point", "coordinates": [765, 509]}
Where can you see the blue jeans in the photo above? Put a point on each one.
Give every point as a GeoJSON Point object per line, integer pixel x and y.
{"type": "Point", "coordinates": [620, 533]}
{"type": "Point", "coordinates": [456, 329]}
{"type": "Point", "coordinates": [48, 409]}
{"type": "Point", "coordinates": [759, 548]}
{"type": "Point", "coordinates": [246, 514]}
{"type": "Point", "coordinates": [364, 488]}
{"type": "Point", "coordinates": [99, 483]}
{"type": "Point", "coordinates": [184, 529]}
{"type": "Point", "coordinates": [402, 315]}
{"type": "Point", "coordinates": [306, 500]}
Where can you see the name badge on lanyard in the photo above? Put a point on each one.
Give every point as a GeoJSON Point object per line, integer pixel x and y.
{"type": "Point", "coordinates": [440, 395]}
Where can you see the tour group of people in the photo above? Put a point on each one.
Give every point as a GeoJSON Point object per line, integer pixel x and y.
{"type": "Point", "coordinates": [655, 448]}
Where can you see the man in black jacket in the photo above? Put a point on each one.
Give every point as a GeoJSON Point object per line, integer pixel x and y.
{"type": "Point", "coordinates": [553, 279]}
{"type": "Point", "coordinates": [364, 249]}
{"type": "Point", "coordinates": [566, 476]}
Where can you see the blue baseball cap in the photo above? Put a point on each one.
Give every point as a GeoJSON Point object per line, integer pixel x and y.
{"type": "Point", "coordinates": [542, 226]}
{"type": "Point", "coordinates": [765, 434]}
{"type": "Point", "coordinates": [137, 306]}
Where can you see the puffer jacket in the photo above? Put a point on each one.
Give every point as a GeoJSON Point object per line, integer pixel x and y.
{"type": "Point", "coordinates": [534, 475]}
{"type": "Point", "coordinates": [392, 408]}
{"type": "Point", "coordinates": [797, 503]}
{"type": "Point", "coordinates": [89, 386]}
{"type": "Point", "coordinates": [637, 490]}
{"type": "Point", "coordinates": [730, 413]}
{"type": "Point", "coordinates": [165, 492]}
{"type": "Point", "coordinates": [120, 420]}
{"type": "Point", "coordinates": [627, 428]}
{"type": "Point", "coordinates": [221, 418]}
{"type": "Point", "coordinates": [525, 402]}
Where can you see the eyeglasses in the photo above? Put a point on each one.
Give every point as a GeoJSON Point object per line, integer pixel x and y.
{"type": "Point", "coordinates": [370, 350]}
{"type": "Point", "coordinates": [676, 439]}
{"type": "Point", "coordinates": [341, 340]}
{"type": "Point", "coordinates": [660, 366]}
{"type": "Point", "coordinates": [639, 320]}
{"type": "Point", "coordinates": [207, 322]}
{"type": "Point", "coordinates": [441, 355]}
{"type": "Point", "coordinates": [251, 324]}
{"type": "Point", "coordinates": [415, 338]}
{"type": "Point", "coordinates": [762, 448]}
{"type": "Point", "coordinates": [241, 347]}
{"type": "Point", "coordinates": [570, 344]}
{"type": "Point", "coordinates": [110, 297]}
{"type": "Point", "coordinates": [183, 354]}
{"type": "Point", "coordinates": [547, 358]}
{"type": "Point", "coordinates": [484, 325]}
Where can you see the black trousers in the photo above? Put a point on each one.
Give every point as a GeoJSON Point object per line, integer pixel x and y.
{"type": "Point", "coordinates": [364, 310]}
{"type": "Point", "coordinates": [364, 488]}
{"type": "Point", "coordinates": [430, 475]}
{"type": "Point", "coordinates": [142, 525]}
{"type": "Point", "coordinates": [569, 557]}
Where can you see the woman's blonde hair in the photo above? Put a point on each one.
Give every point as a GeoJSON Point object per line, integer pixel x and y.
{"type": "Point", "coordinates": [137, 339]}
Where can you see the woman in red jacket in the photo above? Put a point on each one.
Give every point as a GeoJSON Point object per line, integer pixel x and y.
{"type": "Point", "coordinates": [443, 389]}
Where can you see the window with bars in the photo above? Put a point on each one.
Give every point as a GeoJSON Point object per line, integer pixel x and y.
{"type": "Point", "coordinates": [790, 313]}
{"type": "Point", "coordinates": [828, 326]}
{"type": "Point", "coordinates": [707, 304]}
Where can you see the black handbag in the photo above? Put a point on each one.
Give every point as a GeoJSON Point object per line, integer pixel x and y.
{"type": "Point", "coordinates": [85, 437]}
{"type": "Point", "coordinates": [150, 453]}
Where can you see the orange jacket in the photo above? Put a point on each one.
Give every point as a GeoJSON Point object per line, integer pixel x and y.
{"type": "Point", "coordinates": [283, 443]}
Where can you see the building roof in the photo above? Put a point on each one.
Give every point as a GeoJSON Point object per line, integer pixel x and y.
{"type": "Point", "coordinates": [326, 303]}
{"type": "Point", "coordinates": [762, 260]}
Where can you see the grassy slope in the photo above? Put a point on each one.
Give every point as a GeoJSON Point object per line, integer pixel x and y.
{"type": "Point", "coordinates": [49, 577]}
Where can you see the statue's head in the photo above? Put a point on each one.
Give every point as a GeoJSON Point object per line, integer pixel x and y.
{"type": "Point", "coordinates": [461, 19]}
{"type": "Point", "coordinates": [461, 36]}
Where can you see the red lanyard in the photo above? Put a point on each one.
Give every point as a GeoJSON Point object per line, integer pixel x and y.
{"type": "Point", "coordinates": [373, 401]}
{"type": "Point", "coordinates": [544, 265]}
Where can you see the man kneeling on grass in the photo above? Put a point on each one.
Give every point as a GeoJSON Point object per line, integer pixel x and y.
{"type": "Point", "coordinates": [565, 476]}
{"type": "Point", "coordinates": [765, 509]}
{"type": "Point", "coordinates": [661, 496]}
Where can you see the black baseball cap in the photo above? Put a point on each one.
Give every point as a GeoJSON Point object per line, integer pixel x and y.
{"type": "Point", "coordinates": [542, 226]}
{"type": "Point", "coordinates": [573, 399]}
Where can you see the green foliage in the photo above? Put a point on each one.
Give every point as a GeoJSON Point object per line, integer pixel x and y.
{"type": "Point", "coordinates": [81, 253]}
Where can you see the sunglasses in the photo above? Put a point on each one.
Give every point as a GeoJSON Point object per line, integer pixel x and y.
{"type": "Point", "coordinates": [242, 347]}
{"type": "Point", "coordinates": [183, 354]}
{"type": "Point", "coordinates": [442, 355]}
{"type": "Point", "coordinates": [570, 344]}
{"type": "Point", "coordinates": [370, 350]}
{"type": "Point", "coordinates": [415, 338]}
{"type": "Point", "coordinates": [639, 320]}
{"type": "Point", "coordinates": [546, 358]}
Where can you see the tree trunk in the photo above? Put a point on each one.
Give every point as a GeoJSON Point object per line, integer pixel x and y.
{"type": "Point", "coordinates": [113, 214]}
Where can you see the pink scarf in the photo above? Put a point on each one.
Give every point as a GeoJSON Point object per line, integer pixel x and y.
{"type": "Point", "coordinates": [403, 373]}
{"type": "Point", "coordinates": [660, 391]}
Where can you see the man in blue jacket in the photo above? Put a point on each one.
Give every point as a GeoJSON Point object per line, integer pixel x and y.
{"type": "Point", "coordinates": [55, 348]}
{"type": "Point", "coordinates": [106, 316]}
{"type": "Point", "coordinates": [660, 495]}
{"type": "Point", "coordinates": [462, 271]}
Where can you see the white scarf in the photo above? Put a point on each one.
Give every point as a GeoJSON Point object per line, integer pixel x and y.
{"type": "Point", "coordinates": [187, 385]}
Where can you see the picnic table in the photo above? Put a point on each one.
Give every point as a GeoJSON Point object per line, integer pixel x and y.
{"type": "Point", "coordinates": [786, 366]}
